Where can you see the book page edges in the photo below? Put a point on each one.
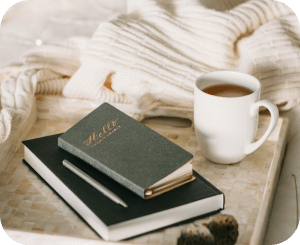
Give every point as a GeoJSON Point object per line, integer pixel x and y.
{"type": "Point", "coordinates": [129, 228]}
{"type": "Point", "coordinates": [181, 176]}
{"type": "Point", "coordinates": [66, 193]}
{"type": "Point", "coordinates": [177, 178]}
{"type": "Point", "coordinates": [200, 208]}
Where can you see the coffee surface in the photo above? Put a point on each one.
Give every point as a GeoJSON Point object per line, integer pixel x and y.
{"type": "Point", "coordinates": [227, 90]}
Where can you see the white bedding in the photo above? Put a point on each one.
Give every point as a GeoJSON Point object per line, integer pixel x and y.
{"type": "Point", "coordinates": [34, 22]}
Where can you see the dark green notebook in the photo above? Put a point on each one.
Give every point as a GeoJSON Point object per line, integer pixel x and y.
{"type": "Point", "coordinates": [109, 219]}
{"type": "Point", "coordinates": [128, 151]}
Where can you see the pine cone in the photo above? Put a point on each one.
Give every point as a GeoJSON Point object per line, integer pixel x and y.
{"type": "Point", "coordinates": [193, 235]}
{"type": "Point", "coordinates": [224, 229]}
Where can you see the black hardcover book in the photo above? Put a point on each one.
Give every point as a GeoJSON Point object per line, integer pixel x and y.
{"type": "Point", "coordinates": [128, 151]}
{"type": "Point", "coordinates": [109, 219]}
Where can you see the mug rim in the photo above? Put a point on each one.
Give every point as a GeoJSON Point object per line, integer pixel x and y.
{"type": "Point", "coordinates": [250, 79]}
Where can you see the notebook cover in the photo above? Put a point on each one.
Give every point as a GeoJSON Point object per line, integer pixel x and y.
{"type": "Point", "coordinates": [123, 148]}
{"type": "Point", "coordinates": [109, 212]}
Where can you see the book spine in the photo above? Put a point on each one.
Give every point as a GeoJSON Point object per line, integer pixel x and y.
{"type": "Point", "coordinates": [102, 168]}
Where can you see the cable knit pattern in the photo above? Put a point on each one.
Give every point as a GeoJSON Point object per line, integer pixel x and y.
{"type": "Point", "coordinates": [62, 31]}
{"type": "Point", "coordinates": [155, 54]}
{"type": "Point", "coordinates": [45, 69]}
{"type": "Point", "coordinates": [16, 100]}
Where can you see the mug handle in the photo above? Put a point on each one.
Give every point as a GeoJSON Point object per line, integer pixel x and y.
{"type": "Point", "coordinates": [274, 118]}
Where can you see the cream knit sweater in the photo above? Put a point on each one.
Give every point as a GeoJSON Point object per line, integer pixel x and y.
{"type": "Point", "coordinates": [154, 53]}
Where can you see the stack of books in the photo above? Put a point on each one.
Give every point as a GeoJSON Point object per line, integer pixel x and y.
{"type": "Point", "coordinates": [120, 176]}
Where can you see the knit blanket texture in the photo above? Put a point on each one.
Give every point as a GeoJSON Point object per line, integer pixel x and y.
{"type": "Point", "coordinates": [155, 54]}
{"type": "Point", "coordinates": [152, 55]}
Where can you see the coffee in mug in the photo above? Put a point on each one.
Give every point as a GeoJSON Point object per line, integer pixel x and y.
{"type": "Point", "coordinates": [227, 90]}
{"type": "Point", "coordinates": [226, 108]}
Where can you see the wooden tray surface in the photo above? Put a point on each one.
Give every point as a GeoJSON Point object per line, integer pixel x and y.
{"type": "Point", "coordinates": [27, 204]}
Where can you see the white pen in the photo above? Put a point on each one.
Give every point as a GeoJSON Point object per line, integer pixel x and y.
{"type": "Point", "coordinates": [94, 183]}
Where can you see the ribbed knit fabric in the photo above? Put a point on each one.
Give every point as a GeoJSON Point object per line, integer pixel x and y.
{"type": "Point", "coordinates": [153, 54]}
{"type": "Point", "coordinates": [62, 28]}
{"type": "Point", "coordinates": [156, 52]}
{"type": "Point", "coordinates": [44, 69]}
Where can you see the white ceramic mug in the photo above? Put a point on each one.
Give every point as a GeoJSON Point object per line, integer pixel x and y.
{"type": "Point", "coordinates": [226, 126]}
